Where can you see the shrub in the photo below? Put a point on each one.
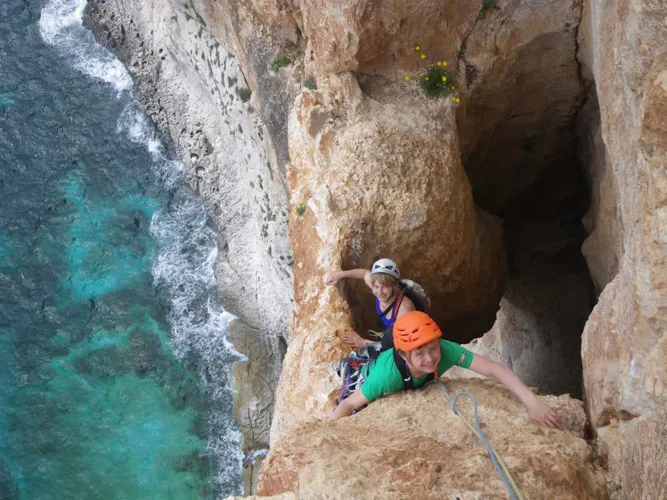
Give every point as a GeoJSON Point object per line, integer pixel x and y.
{"type": "Point", "coordinates": [487, 4]}
{"type": "Point", "coordinates": [300, 209]}
{"type": "Point", "coordinates": [243, 93]}
{"type": "Point", "coordinates": [309, 83]}
{"type": "Point", "coordinates": [434, 80]}
{"type": "Point", "coordinates": [280, 62]}
{"type": "Point", "coordinates": [462, 50]}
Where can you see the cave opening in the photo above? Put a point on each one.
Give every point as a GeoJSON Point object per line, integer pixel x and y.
{"type": "Point", "coordinates": [538, 170]}
{"type": "Point", "coordinates": [539, 174]}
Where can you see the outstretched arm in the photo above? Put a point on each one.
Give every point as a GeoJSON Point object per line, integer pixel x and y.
{"type": "Point", "coordinates": [360, 274]}
{"type": "Point", "coordinates": [537, 410]}
{"type": "Point", "coordinates": [347, 406]}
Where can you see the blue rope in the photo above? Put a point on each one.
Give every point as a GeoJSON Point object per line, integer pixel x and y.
{"type": "Point", "coordinates": [480, 434]}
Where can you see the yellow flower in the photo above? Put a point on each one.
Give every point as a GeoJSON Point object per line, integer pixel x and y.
{"type": "Point", "coordinates": [453, 87]}
{"type": "Point", "coordinates": [444, 63]}
{"type": "Point", "coordinates": [444, 78]}
{"type": "Point", "coordinates": [426, 78]}
{"type": "Point", "coordinates": [453, 99]}
{"type": "Point", "coordinates": [423, 56]}
{"type": "Point", "coordinates": [407, 78]}
{"type": "Point", "coordinates": [458, 100]}
{"type": "Point", "coordinates": [418, 48]}
{"type": "Point", "coordinates": [439, 63]}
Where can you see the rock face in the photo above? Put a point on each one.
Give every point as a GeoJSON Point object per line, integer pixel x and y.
{"type": "Point", "coordinates": [356, 161]}
{"type": "Point", "coordinates": [519, 148]}
{"type": "Point", "coordinates": [624, 348]}
{"type": "Point", "coordinates": [516, 124]}
{"type": "Point", "coordinates": [412, 445]}
{"type": "Point", "coordinates": [559, 142]}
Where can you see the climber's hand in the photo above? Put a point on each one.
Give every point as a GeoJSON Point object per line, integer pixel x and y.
{"type": "Point", "coordinates": [333, 278]}
{"type": "Point", "coordinates": [540, 412]}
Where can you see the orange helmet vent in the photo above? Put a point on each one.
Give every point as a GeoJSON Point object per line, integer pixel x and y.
{"type": "Point", "coordinates": [414, 329]}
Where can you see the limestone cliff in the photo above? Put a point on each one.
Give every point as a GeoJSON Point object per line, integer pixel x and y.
{"type": "Point", "coordinates": [532, 210]}
{"type": "Point", "coordinates": [413, 446]}
{"type": "Point", "coordinates": [624, 348]}
{"type": "Point", "coordinates": [201, 70]}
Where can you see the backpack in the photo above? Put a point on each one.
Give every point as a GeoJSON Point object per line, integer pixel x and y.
{"type": "Point", "coordinates": [416, 293]}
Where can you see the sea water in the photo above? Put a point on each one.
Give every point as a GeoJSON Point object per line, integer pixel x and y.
{"type": "Point", "coordinates": [114, 368]}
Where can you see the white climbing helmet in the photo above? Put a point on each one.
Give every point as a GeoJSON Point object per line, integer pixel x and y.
{"type": "Point", "coordinates": [386, 266]}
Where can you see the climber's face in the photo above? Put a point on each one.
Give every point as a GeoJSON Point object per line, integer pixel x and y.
{"type": "Point", "coordinates": [424, 359]}
{"type": "Point", "coordinates": [383, 292]}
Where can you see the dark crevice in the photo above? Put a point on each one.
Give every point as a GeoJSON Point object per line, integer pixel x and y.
{"type": "Point", "coordinates": [527, 166]}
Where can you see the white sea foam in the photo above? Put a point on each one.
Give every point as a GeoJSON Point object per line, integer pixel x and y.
{"type": "Point", "coordinates": [60, 25]}
{"type": "Point", "coordinates": [183, 269]}
{"type": "Point", "coordinates": [134, 123]}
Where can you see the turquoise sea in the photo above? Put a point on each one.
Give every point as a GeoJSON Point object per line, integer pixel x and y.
{"type": "Point", "coordinates": [114, 368]}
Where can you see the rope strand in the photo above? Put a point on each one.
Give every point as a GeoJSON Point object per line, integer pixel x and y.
{"type": "Point", "coordinates": [498, 462]}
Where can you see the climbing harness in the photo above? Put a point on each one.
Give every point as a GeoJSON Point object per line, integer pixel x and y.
{"type": "Point", "coordinates": [498, 463]}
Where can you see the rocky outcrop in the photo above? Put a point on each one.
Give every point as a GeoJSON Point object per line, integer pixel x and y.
{"type": "Point", "coordinates": [516, 123]}
{"type": "Point", "coordinates": [624, 347]}
{"type": "Point", "coordinates": [562, 118]}
{"type": "Point", "coordinates": [411, 445]}
{"type": "Point", "coordinates": [356, 161]}
{"type": "Point", "coordinates": [254, 379]}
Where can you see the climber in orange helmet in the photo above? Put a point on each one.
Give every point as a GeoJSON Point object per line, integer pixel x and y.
{"type": "Point", "coordinates": [419, 355]}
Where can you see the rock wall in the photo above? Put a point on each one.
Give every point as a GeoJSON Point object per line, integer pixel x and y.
{"type": "Point", "coordinates": [549, 90]}
{"type": "Point", "coordinates": [624, 347]}
{"type": "Point", "coordinates": [357, 161]}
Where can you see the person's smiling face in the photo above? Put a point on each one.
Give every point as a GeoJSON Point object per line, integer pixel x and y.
{"type": "Point", "coordinates": [383, 292]}
{"type": "Point", "coordinates": [425, 358]}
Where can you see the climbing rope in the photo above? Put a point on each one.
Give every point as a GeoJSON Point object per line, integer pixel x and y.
{"type": "Point", "coordinates": [498, 463]}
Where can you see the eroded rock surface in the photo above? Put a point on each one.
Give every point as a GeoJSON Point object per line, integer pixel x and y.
{"type": "Point", "coordinates": [376, 176]}
{"type": "Point", "coordinates": [411, 445]}
{"type": "Point", "coordinates": [624, 344]}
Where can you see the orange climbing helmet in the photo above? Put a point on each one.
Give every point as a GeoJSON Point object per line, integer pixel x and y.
{"type": "Point", "coordinates": [414, 329]}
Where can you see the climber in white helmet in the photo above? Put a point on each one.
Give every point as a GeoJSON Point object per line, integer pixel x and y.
{"type": "Point", "coordinates": [390, 301]}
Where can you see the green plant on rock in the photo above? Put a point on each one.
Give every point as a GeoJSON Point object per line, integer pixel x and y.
{"type": "Point", "coordinates": [309, 83]}
{"type": "Point", "coordinates": [462, 50]}
{"type": "Point", "coordinates": [280, 62]}
{"type": "Point", "coordinates": [300, 209]}
{"type": "Point", "coordinates": [434, 80]}
{"type": "Point", "coordinates": [486, 5]}
{"type": "Point", "coordinates": [243, 93]}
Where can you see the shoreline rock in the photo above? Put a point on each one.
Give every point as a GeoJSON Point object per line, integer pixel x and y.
{"type": "Point", "coordinates": [191, 84]}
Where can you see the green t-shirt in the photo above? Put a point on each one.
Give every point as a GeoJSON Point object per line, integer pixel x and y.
{"type": "Point", "coordinates": [383, 377]}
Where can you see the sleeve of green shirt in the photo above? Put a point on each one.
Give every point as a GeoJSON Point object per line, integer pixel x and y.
{"type": "Point", "coordinates": [453, 354]}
